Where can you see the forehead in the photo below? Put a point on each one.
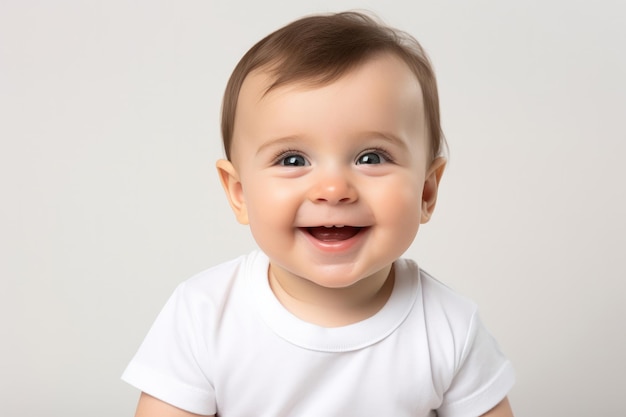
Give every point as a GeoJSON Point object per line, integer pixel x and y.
{"type": "Point", "coordinates": [383, 66]}
{"type": "Point", "coordinates": [381, 91]}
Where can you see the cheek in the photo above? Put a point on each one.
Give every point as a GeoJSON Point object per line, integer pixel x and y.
{"type": "Point", "coordinates": [401, 196]}
{"type": "Point", "coordinates": [269, 202]}
{"type": "Point", "coordinates": [400, 208]}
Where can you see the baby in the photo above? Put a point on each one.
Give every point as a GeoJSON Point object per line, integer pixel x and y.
{"type": "Point", "coordinates": [334, 157]}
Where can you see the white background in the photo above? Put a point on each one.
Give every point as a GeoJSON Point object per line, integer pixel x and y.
{"type": "Point", "coordinates": [108, 135]}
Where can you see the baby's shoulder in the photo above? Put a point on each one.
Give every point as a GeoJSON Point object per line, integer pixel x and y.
{"type": "Point", "coordinates": [437, 301]}
{"type": "Point", "coordinates": [217, 283]}
{"type": "Point", "coordinates": [436, 293]}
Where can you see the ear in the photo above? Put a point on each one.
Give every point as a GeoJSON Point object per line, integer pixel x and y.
{"type": "Point", "coordinates": [233, 189]}
{"type": "Point", "coordinates": [431, 187]}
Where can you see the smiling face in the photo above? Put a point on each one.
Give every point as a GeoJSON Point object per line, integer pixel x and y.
{"type": "Point", "coordinates": [333, 180]}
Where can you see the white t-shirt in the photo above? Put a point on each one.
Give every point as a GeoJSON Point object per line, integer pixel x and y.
{"type": "Point", "coordinates": [224, 344]}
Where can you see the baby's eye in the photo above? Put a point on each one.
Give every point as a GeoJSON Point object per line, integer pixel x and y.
{"type": "Point", "coordinates": [371, 158]}
{"type": "Point", "coordinates": [293, 161]}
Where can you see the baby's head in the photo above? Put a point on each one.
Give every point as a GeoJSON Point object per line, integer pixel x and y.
{"type": "Point", "coordinates": [331, 130]}
{"type": "Point", "coordinates": [318, 50]}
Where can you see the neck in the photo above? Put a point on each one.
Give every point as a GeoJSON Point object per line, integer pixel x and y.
{"type": "Point", "coordinates": [333, 307]}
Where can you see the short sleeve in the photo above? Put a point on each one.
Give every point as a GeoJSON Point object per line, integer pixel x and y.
{"type": "Point", "coordinates": [482, 378]}
{"type": "Point", "coordinates": [171, 362]}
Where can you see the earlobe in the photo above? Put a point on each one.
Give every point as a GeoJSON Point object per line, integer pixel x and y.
{"type": "Point", "coordinates": [431, 188]}
{"type": "Point", "coordinates": [229, 178]}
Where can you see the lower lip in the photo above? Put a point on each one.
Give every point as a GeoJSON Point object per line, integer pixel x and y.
{"type": "Point", "coordinates": [336, 246]}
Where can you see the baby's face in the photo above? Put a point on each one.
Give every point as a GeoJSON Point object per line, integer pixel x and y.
{"type": "Point", "coordinates": [334, 180]}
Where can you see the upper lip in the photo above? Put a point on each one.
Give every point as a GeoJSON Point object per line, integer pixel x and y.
{"type": "Point", "coordinates": [337, 225]}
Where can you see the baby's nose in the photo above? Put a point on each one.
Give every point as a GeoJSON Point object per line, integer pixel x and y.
{"type": "Point", "coordinates": [333, 188]}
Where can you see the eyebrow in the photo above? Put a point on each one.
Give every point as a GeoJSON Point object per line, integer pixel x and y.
{"type": "Point", "coordinates": [385, 136]}
{"type": "Point", "coordinates": [388, 137]}
{"type": "Point", "coordinates": [283, 141]}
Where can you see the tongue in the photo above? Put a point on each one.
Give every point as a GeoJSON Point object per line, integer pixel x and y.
{"type": "Point", "coordinates": [330, 234]}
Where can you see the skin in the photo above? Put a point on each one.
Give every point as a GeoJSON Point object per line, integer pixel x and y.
{"type": "Point", "coordinates": [354, 153]}
{"type": "Point", "coordinates": [151, 407]}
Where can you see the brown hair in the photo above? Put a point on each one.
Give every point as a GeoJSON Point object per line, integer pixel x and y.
{"type": "Point", "coordinates": [320, 49]}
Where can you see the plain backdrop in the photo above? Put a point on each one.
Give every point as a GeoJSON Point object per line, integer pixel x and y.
{"type": "Point", "coordinates": [109, 131]}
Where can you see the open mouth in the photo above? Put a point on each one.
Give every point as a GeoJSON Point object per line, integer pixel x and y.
{"type": "Point", "coordinates": [333, 233]}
